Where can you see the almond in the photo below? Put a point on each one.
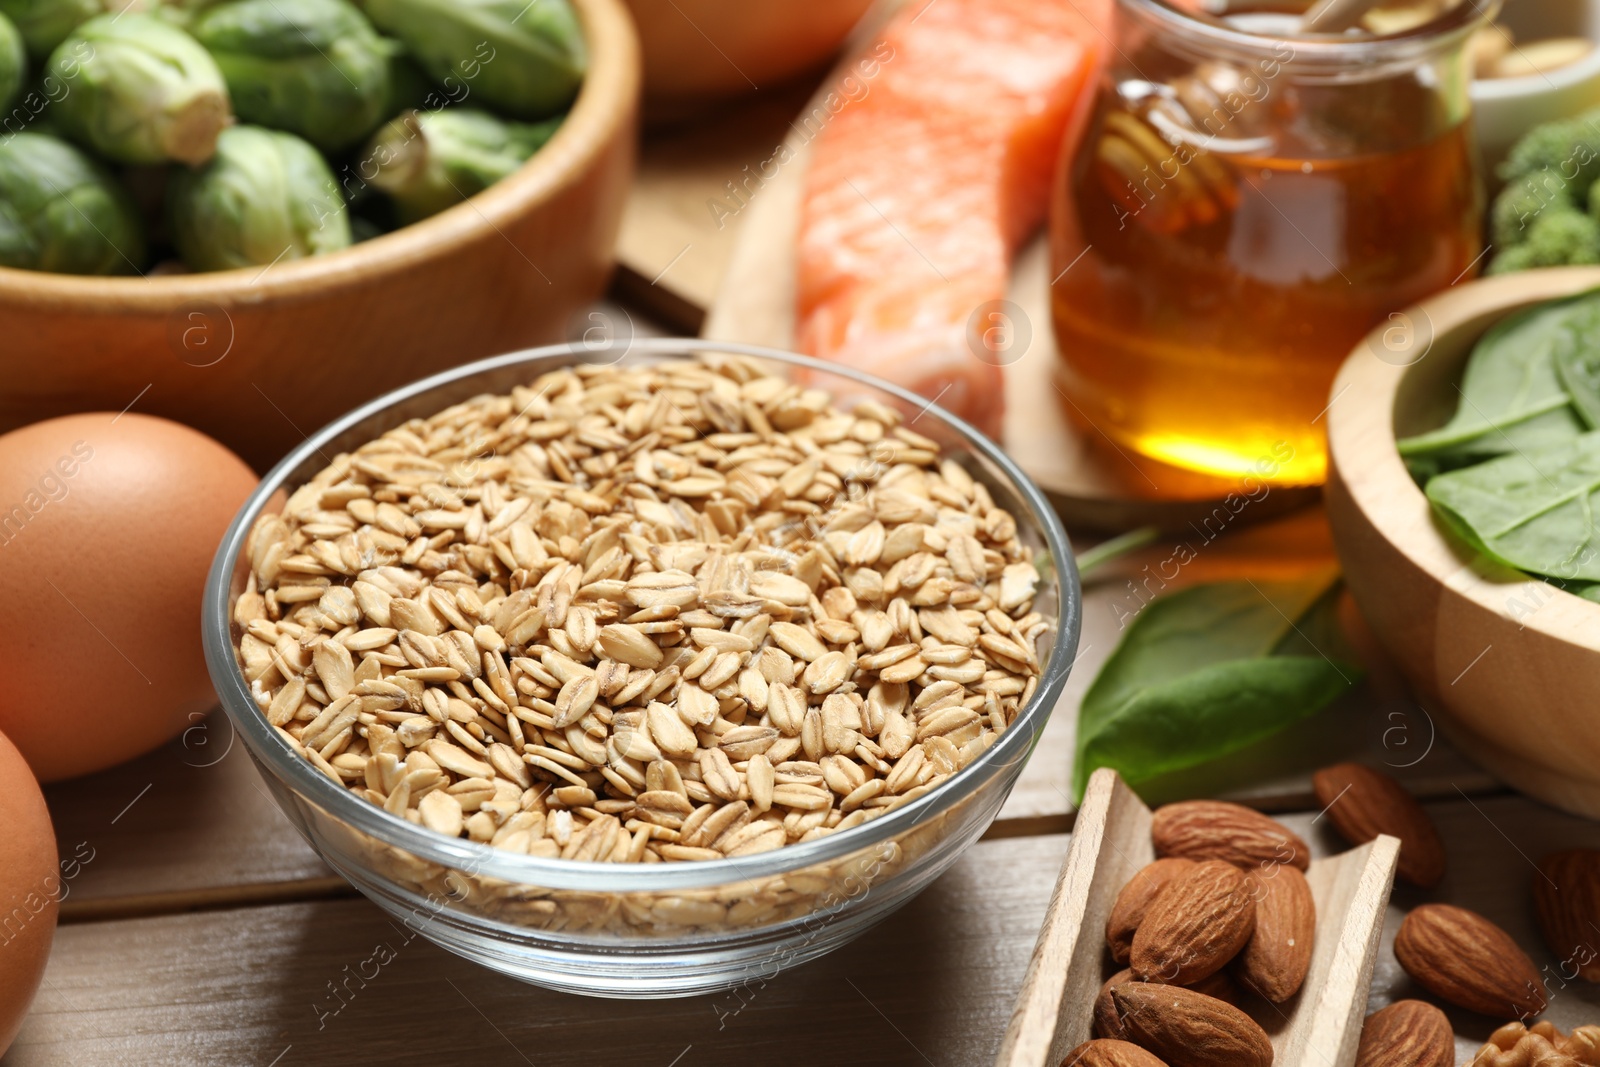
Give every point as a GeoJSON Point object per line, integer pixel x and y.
{"type": "Point", "coordinates": [1198, 923]}
{"type": "Point", "coordinates": [1189, 1029]}
{"type": "Point", "coordinates": [1106, 1023]}
{"type": "Point", "coordinates": [1134, 901]}
{"type": "Point", "coordinates": [1107, 1053]}
{"type": "Point", "coordinates": [1275, 962]}
{"type": "Point", "coordinates": [1463, 958]}
{"type": "Point", "coordinates": [1218, 830]}
{"type": "Point", "coordinates": [1363, 803]}
{"type": "Point", "coordinates": [1408, 1033]}
{"type": "Point", "coordinates": [1566, 899]}
{"type": "Point", "coordinates": [1221, 986]}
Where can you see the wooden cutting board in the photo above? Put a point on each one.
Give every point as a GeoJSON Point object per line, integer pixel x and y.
{"type": "Point", "coordinates": [1092, 480]}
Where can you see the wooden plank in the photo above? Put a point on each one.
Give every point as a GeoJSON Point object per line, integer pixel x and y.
{"type": "Point", "coordinates": [165, 829]}
{"type": "Point", "coordinates": [245, 987]}
{"type": "Point", "coordinates": [935, 983]}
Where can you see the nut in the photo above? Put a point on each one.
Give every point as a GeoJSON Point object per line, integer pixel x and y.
{"type": "Point", "coordinates": [1221, 986]}
{"type": "Point", "coordinates": [1199, 922]}
{"type": "Point", "coordinates": [1275, 962]}
{"type": "Point", "coordinates": [1463, 958]}
{"type": "Point", "coordinates": [1363, 803]}
{"type": "Point", "coordinates": [1107, 1053]}
{"type": "Point", "coordinates": [1566, 899]}
{"type": "Point", "coordinates": [1218, 830]}
{"type": "Point", "coordinates": [1106, 1023]}
{"type": "Point", "coordinates": [1135, 899]}
{"type": "Point", "coordinates": [1189, 1029]}
{"type": "Point", "coordinates": [1408, 1033]}
{"type": "Point", "coordinates": [1542, 1045]}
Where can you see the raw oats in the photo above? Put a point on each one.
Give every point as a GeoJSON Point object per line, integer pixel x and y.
{"type": "Point", "coordinates": [665, 613]}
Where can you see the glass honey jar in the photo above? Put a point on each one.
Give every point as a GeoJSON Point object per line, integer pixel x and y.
{"type": "Point", "coordinates": [1245, 205]}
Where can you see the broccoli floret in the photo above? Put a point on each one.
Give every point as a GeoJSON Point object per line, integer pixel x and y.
{"type": "Point", "coordinates": [1515, 210]}
{"type": "Point", "coordinates": [1558, 237]}
{"type": "Point", "coordinates": [1567, 150]}
{"type": "Point", "coordinates": [1548, 214]}
{"type": "Point", "coordinates": [1512, 260]}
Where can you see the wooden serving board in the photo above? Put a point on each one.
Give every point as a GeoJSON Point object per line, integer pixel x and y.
{"type": "Point", "coordinates": [1092, 480]}
{"type": "Point", "coordinates": [1317, 1028]}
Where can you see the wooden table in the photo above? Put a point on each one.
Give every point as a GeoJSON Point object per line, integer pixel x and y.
{"type": "Point", "coordinates": [204, 931]}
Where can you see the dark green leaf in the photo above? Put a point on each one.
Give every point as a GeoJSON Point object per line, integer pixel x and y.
{"type": "Point", "coordinates": [1577, 359]}
{"type": "Point", "coordinates": [1511, 395]}
{"type": "Point", "coordinates": [1209, 670]}
{"type": "Point", "coordinates": [1533, 510]}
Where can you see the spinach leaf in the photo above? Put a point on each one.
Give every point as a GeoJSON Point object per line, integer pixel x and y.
{"type": "Point", "coordinates": [1210, 669]}
{"type": "Point", "coordinates": [1511, 395]}
{"type": "Point", "coordinates": [1534, 510]}
{"type": "Point", "coordinates": [1577, 360]}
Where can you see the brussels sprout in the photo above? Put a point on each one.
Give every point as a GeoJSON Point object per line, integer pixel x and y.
{"type": "Point", "coordinates": [60, 211]}
{"type": "Point", "coordinates": [313, 67]}
{"type": "Point", "coordinates": [428, 160]}
{"type": "Point", "coordinates": [46, 23]}
{"type": "Point", "coordinates": [522, 58]}
{"type": "Point", "coordinates": [13, 62]}
{"type": "Point", "coordinates": [266, 196]}
{"type": "Point", "coordinates": [142, 91]}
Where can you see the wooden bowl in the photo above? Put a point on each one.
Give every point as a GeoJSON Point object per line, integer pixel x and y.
{"type": "Point", "coordinates": [260, 358]}
{"type": "Point", "coordinates": [1319, 1027]}
{"type": "Point", "coordinates": [700, 51]}
{"type": "Point", "coordinates": [1508, 666]}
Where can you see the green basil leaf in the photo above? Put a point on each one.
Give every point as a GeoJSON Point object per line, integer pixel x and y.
{"type": "Point", "coordinates": [1512, 396]}
{"type": "Point", "coordinates": [1209, 670]}
{"type": "Point", "coordinates": [1534, 510]}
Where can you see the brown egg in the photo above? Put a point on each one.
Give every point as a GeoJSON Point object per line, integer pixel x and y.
{"type": "Point", "coordinates": [108, 524]}
{"type": "Point", "coordinates": [30, 886]}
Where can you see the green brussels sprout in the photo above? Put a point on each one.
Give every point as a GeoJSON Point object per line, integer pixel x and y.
{"type": "Point", "coordinates": [13, 62]}
{"type": "Point", "coordinates": [428, 160]}
{"type": "Point", "coordinates": [60, 211]}
{"type": "Point", "coordinates": [142, 91]}
{"type": "Point", "coordinates": [266, 196]}
{"type": "Point", "coordinates": [522, 58]}
{"type": "Point", "coordinates": [44, 24]}
{"type": "Point", "coordinates": [316, 68]}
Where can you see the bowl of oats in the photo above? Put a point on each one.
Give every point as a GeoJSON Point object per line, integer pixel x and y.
{"type": "Point", "coordinates": [642, 670]}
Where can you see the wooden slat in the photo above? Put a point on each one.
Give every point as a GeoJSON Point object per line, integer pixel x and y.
{"type": "Point", "coordinates": [169, 828]}
{"type": "Point", "coordinates": [935, 983]}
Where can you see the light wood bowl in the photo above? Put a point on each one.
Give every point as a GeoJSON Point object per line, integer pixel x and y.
{"type": "Point", "coordinates": [260, 358]}
{"type": "Point", "coordinates": [1319, 1027]}
{"type": "Point", "coordinates": [699, 51]}
{"type": "Point", "coordinates": [1507, 666]}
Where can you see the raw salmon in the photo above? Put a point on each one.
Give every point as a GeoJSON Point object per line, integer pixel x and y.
{"type": "Point", "coordinates": [921, 189]}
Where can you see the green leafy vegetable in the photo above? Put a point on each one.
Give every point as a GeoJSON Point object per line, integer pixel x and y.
{"type": "Point", "coordinates": [1533, 510]}
{"type": "Point", "coordinates": [1577, 358]}
{"type": "Point", "coordinates": [1512, 396]}
{"type": "Point", "coordinates": [1209, 670]}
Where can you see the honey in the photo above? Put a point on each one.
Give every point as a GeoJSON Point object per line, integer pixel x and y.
{"type": "Point", "coordinates": [1226, 235]}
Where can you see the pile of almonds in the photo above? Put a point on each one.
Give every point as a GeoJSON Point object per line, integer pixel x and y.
{"type": "Point", "coordinates": [1464, 958]}
{"type": "Point", "coordinates": [1225, 910]}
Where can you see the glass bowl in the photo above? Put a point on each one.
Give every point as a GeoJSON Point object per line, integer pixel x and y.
{"type": "Point", "coordinates": [660, 929]}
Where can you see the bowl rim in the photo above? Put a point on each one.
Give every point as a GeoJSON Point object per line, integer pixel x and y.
{"type": "Point", "coordinates": [607, 99]}
{"type": "Point", "coordinates": [1544, 83]}
{"type": "Point", "coordinates": [1364, 461]}
{"type": "Point", "coordinates": [267, 746]}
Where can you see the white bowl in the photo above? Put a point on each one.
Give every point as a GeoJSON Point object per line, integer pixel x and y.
{"type": "Point", "coordinates": [1507, 108]}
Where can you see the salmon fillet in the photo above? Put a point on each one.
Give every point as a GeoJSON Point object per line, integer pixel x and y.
{"type": "Point", "coordinates": [920, 191]}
